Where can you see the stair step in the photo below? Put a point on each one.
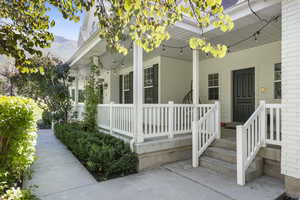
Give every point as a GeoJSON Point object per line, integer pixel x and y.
{"type": "Point", "coordinates": [221, 154]}
{"type": "Point", "coordinates": [228, 169]}
{"type": "Point", "coordinates": [225, 144]}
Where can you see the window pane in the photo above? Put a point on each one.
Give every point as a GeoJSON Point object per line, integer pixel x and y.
{"type": "Point", "coordinates": [213, 80]}
{"type": "Point", "coordinates": [277, 71]}
{"type": "Point", "coordinates": [277, 90]}
{"type": "Point", "coordinates": [213, 93]}
{"type": "Point", "coordinates": [149, 95]}
{"type": "Point", "coordinates": [81, 97]}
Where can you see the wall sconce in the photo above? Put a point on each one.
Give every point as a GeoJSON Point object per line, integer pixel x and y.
{"type": "Point", "coordinates": [263, 89]}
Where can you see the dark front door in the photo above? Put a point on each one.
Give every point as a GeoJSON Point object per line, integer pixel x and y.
{"type": "Point", "coordinates": [243, 94]}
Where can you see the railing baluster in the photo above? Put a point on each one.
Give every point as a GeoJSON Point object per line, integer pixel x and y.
{"type": "Point", "coordinates": [277, 125]}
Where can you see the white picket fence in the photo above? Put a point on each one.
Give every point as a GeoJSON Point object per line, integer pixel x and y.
{"type": "Point", "coordinates": [263, 127]}
{"type": "Point", "coordinates": [205, 130]}
{"type": "Point", "coordinates": [159, 120]}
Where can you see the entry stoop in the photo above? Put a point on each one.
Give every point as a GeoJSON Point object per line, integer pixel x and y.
{"type": "Point", "coordinates": [221, 157]}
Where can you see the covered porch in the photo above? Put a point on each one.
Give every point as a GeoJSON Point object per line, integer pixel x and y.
{"type": "Point", "coordinates": [170, 124]}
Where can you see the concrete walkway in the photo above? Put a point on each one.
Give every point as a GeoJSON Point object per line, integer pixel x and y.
{"type": "Point", "coordinates": [61, 177]}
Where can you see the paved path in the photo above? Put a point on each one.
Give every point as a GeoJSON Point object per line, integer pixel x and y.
{"type": "Point", "coordinates": [61, 177]}
{"type": "Point", "coordinates": [56, 169]}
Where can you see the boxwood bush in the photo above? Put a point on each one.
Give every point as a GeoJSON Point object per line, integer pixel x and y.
{"type": "Point", "coordinates": [103, 155]}
{"type": "Point", "coordinates": [18, 117]}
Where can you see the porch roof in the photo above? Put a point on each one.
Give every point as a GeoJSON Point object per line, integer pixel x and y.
{"type": "Point", "coordinates": [245, 24]}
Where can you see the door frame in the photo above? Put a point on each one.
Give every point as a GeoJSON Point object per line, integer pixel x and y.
{"type": "Point", "coordinates": [232, 88]}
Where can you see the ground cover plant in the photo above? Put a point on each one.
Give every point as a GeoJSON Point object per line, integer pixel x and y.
{"type": "Point", "coordinates": [103, 155]}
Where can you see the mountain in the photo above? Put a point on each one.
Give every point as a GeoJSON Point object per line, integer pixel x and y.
{"type": "Point", "coordinates": [61, 47]}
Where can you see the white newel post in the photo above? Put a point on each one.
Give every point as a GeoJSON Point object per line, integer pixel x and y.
{"type": "Point", "coordinates": [171, 119]}
{"type": "Point", "coordinates": [241, 145]}
{"type": "Point", "coordinates": [218, 120]}
{"type": "Point", "coordinates": [111, 117]}
{"type": "Point", "coordinates": [138, 93]}
{"type": "Point", "coordinates": [263, 122]}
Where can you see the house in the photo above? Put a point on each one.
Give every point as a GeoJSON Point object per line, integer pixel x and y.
{"type": "Point", "coordinates": [170, 104]}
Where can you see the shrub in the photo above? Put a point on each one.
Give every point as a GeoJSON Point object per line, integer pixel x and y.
{"type": "Point", "coordinates": [18, 117]}
{"type": "Point", "coordinates": [103, 155]}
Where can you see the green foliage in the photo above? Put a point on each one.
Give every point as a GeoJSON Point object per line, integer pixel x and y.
{"type": "Point", "coordinates": [51, 88]}
{"type": "Point", "coordinates": [92, 98]}
{"type": "Point", "coordinates": [104, 156]}
{"type": "Point", "coordinates": [18, 117]}
{"type": "Point", "coordinates": [146, 22]}
{"type": "Point", "coordinates": [24, 27]}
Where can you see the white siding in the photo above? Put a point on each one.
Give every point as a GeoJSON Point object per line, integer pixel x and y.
{"type": "Point", "coordinates": [175, 79]}
{"type": "Point", "coordinates": [290, 164]}
{"type": "Point", "coordinates": [262, 58]}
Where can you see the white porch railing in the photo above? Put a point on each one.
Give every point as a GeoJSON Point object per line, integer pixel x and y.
{"type": "Point", "coordinates": [170, 119]}
{"type": "Point", "coordinates": [273, 118]}
{"type": "Point", "coordinates": [205, 131]}
{"type": "Point", "coordinates": [158, 119]}
{"type": "Point", "coordinates": [254, 134]}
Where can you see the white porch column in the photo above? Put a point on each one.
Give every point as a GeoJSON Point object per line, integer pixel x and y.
{"type": "Point", "coordinates": [290, 157]}
{"type": "Point", "coordinates": [138, 93]}
{"type": "Point", "coordinates": [196, 66]}
{"type": "Point", "coordinates": [76, 89]}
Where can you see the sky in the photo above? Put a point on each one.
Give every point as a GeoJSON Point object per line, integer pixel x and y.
{"type": "Point", "coordinates": [65, 28]}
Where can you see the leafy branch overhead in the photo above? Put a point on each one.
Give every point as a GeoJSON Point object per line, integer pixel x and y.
{"type": "Point", "coordinates": [24, 27]}
{"type": "Point", "coordinates": [146, 22]}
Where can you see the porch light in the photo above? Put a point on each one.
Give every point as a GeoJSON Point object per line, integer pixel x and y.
{"type": "Point", "coordinates": [163, 48]}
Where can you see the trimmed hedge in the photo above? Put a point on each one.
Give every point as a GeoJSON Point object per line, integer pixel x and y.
{"type": "Point", "coordinates": [103, 155]}
{"type": "Point", "coordinates": [18, 118]}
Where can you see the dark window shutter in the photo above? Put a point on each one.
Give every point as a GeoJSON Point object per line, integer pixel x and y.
{"type": "Point", "coordinates": [155, 83]}
{"type": "Point", "coordinates": [130, 87]}
{"type": "Point", "coordinates": [121, 89]}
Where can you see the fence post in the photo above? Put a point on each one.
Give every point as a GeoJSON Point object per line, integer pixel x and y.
{"type": "Point", "coordinates": [218, 120]}
{"type": "Point", "coordinates": [241, 145]}
{"type": "Point", "coordinates": [171, 119]}
{"type": "Point", "coordinates": [263, 123]}
{"type": "Point", "coordinates": [111, 117]}
{"type": "Point", "coordinates": [195, 144]}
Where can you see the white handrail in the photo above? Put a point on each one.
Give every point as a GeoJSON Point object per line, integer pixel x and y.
{"type": "Point", "coordinates": [263, 127]}
{"type": "Point", "coordinates": [205, 131]}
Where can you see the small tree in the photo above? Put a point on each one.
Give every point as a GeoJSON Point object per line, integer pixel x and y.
{"type": "Point", "coordinates": [93, 96]}
{"type": "Point", "coordinates": [51, 88]}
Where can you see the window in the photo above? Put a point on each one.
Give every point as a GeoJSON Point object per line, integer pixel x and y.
{"type": "Point", "coordinates": [213, 86]}
{"type": "Point", "coordinates": [127, 93]}
{"type": "Point", "coordinates": [148, 77]}
{"type": "Point", "coordinates": [81, 97]}
{"type": "Point", "coordinates": [73, 94]}
{"type": "Point", "coordinates": [126, 82]}
{"type": "Point", "coordinates": [277, 81]}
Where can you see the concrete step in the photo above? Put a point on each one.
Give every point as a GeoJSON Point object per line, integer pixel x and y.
{"type": "Point", "coordinates": [272, 168]}
{"type": "Point", "coordinates": [225, 144]}
{"type": "Point", "coordinates": [229, 169]}
{"type": "Point", "coordinates": [221, 154]}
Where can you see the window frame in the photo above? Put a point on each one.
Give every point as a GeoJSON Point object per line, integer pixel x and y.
{"type": "Point", "coordinates": [213, 86]}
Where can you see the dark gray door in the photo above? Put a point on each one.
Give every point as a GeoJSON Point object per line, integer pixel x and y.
{"type": "Point", "coordinates": [243, 94]}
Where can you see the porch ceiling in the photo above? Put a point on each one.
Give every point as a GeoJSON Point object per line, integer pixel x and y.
{"type": "Point", "coordinates": [244, 27]}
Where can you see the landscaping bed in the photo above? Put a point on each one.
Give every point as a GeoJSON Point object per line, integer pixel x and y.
{"type": "Point", "coordinates": [103, 155]}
